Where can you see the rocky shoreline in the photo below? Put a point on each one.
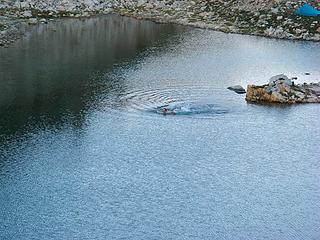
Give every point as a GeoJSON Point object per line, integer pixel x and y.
{"type": "Point", "coordinates": [262, 18]}
{"type": "Point", "coordinates": [16, 17]}
{"type": "Point", "coordinates": [269, 18]}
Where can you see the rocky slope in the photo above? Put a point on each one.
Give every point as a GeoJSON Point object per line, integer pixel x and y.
{"type": "Point", "coordinates": [266, 18]}
{"type": "Point", "coordinates": [281, 89]}
{"type": "Point", "coordinates": [272, 18]}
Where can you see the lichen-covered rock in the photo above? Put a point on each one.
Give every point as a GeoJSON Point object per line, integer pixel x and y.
{"type": "Point", "coordinates": [282, 90]}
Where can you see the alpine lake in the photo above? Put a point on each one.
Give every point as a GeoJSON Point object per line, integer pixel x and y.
{"type": "Point", "coordinates": [87, 153]}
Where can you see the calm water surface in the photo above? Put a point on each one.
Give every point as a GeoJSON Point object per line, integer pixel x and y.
{"type": "Point", "coordinates": [85, 152]}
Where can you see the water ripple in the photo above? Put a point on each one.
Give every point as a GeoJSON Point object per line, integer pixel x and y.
{"type": "Point", "coordinates": [174, 101]}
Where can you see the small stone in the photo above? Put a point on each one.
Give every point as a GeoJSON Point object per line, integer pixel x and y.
{"type": "Point", "coordinates": [237, 88]}
{"type": "Point", "coordinates": [32, 21]}
{"type": "Point", "coordinates": [43, 20]}
{"type": "Point", "coordinates": [27, 14]}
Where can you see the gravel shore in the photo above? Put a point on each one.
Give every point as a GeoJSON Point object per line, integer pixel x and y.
{"type": "Point", "coordinates": [269, 18]}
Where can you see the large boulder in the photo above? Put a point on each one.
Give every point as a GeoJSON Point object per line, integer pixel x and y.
{"type": "Point", "coordinates": [281, 89]}
{"type": "Point", "coordinates": [281, 78]}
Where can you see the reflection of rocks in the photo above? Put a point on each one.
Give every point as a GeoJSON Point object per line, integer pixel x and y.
{"type": "Point", "coordinates": [281, 89]}
{"type": "Point", "coordinates": [11, 31]}
{"type": "Point", "coordinates": [238, 89]}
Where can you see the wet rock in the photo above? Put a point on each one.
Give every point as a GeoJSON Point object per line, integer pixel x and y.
{"type": "Point", "coordinates": [43, 20]}
{"type": "Point", "coordinates": [281, 89]}
{"type": "Point", "coordinates": [238, 89]}
{"type": "Point", "coordinates": [32, 21]}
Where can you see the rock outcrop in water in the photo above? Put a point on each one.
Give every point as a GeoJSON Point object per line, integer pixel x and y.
{"type": "Point", "coordinates": [281, 89]}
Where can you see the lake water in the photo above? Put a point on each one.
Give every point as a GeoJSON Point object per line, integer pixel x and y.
{"type": "Point", "coordinates": [86, 153]}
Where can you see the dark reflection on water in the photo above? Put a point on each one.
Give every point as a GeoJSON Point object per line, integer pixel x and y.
{"type": "Point", "coordinates": [85, 154]}
{"type": "Point", "coordinates": [54, 74]}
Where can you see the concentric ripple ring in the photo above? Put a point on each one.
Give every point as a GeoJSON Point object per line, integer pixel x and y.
{"type": "Point", "coordinates": [173, 101]}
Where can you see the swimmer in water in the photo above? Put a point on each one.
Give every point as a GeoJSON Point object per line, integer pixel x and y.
{"type": "Point", "coordinates": [166, 111]}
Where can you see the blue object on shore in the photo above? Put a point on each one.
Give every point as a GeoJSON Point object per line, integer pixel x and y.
{"type": "Point", "coordinates": [307, 10]}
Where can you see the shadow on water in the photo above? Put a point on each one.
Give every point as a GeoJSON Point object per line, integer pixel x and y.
{"type": "Point", "coordinates": [55, 74]}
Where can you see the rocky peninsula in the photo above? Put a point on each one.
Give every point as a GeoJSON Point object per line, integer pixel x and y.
{"type": "Point", "coordinates": [281, 89]}
{"type": "Point", "coordinates": [271, 18]}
